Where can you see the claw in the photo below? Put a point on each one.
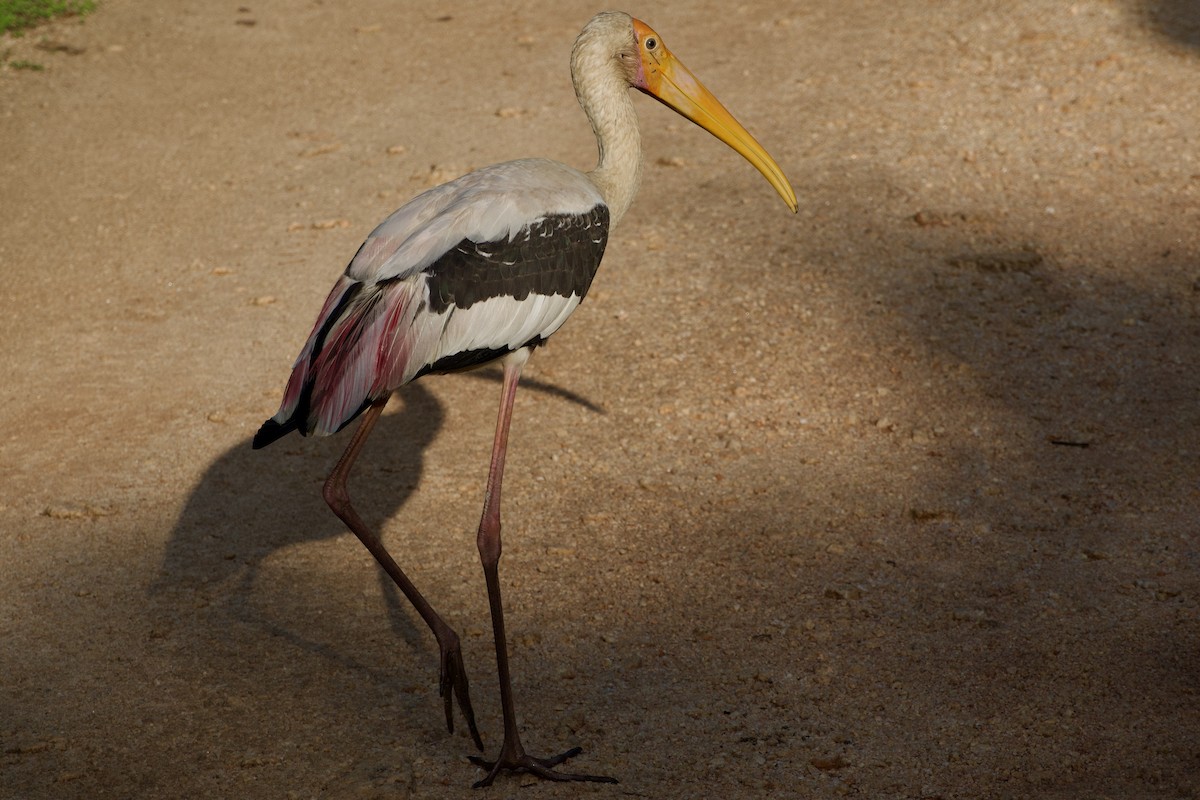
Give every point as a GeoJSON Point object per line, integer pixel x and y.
{"type": "Point", "coordinates": [541, 767]}
{"type": "Point", "coordinates": [453, 683]}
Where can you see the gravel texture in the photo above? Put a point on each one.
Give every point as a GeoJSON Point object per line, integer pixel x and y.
{"type": "Point", "coordinates": [893, 498]}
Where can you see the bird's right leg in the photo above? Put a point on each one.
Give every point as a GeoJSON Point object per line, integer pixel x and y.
{"type": "Point", "coordinates": [453, 676]}
{"type": "Point", "coordinates": [512, 756]}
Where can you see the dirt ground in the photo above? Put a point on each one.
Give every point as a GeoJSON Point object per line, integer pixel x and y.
{"type": "Point", "coordinates": [893, 498]}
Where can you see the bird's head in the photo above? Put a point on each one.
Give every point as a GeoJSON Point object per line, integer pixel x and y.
{"type": "Point", "coordinates": [646, 64]}
{"type": "Point", "coordinates": [664, 77]}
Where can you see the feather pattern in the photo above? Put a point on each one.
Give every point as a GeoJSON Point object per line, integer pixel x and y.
{"type": "Point", "coordinates": [492, 262]}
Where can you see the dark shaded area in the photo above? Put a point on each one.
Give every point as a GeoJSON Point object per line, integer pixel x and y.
{"type": "Point", "coordinates": [251, 504]}
{"type": "Point", "coordinates": [211, 612]}
{"type": "Point", "coordinates": [1178, 20]}
{"type": "Point", "coordinates": [1045, 564]}
{"type": "Point", "coordinates": [1093, 370]}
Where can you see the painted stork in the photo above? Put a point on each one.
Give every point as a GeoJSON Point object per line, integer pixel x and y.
{"type": "Point", "coordinates": [480, 270]}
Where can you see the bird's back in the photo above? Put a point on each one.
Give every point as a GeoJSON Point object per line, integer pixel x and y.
{"type": "Point", "coordinates": [462, 274]}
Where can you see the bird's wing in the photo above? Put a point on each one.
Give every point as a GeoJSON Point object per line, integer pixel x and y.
{"type": "Point", "coordinates": [404, 308]}
{"type": "Point", "coordinates": [486, 205]}
{"type": "Point", "coordinates": [484, 299]}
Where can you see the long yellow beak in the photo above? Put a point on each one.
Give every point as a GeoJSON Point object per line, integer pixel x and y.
{"type": "Point", "coordinates": [665, 78]}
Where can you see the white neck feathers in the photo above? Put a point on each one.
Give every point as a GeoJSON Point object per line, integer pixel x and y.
{"type": "Point", "coordinates": [602, 86]}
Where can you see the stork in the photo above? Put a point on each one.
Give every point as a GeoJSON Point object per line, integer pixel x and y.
{"type": "Point", "coordinates": [482, 270]}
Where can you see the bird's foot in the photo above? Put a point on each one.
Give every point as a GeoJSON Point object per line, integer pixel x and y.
{"type": "Point", "coordinates": [453, 684]}
{"type": "Point", "coordinates": [514, 759]}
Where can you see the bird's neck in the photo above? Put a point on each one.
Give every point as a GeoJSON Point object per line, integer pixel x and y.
{"type": "Point", "coordinates": [619, 170]}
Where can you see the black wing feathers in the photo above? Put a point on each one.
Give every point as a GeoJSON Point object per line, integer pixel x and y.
{"type": "Point", "coordinates": [556, 255]}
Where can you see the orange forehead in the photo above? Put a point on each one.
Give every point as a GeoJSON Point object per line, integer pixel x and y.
{"type": "Point", "coordinates": [642, 30]}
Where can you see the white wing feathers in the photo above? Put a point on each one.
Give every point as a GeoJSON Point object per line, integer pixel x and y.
{"type": "Point", "coordinates": [486, 205]}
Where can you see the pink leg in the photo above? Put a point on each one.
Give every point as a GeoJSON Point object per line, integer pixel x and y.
{"type": "Point", "coordinates": [512, 754]}
{"type": "Point", "coordinates": [453, 676]}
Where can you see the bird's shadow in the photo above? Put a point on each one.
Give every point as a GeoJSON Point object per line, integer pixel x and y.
{"type": "Point", "coordinates": [250, 505]}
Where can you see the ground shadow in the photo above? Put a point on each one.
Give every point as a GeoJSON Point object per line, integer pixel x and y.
{"type": "Point", "coordinates": [251, 504]}
{"type": "Point", "coordinates": [1093, 369]}
{"type": "Point", "coordinates": [1039, 541]}
{"type": "Point", "coordinates": [1178, 20]}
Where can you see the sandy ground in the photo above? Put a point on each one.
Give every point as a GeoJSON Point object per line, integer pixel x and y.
{"type": "Point", "coordinates": [894, 498]}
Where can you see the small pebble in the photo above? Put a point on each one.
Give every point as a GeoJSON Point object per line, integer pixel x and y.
{"type": "Point", "coordinates": [829, 764]}
{"type": "Point", "coordinates": [843, 591]}
{"type": "Point", "coordinates": [321, 150]}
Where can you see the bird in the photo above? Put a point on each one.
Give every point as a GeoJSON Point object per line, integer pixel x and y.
{"type": "Point", "coordinates": [483, 270]}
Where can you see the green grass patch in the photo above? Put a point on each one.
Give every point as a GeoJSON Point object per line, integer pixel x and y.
{"type": "Point", "coordinates": [17, 15]}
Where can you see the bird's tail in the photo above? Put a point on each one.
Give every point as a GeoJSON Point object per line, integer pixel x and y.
{"type": "Point", "coordinates": [293, 412]}
{"type": "Point", "coordinates": [272, 430]}
{"type": "Point", "coordinates": [357, 351]}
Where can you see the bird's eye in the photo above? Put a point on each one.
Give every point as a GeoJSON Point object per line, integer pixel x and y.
{"type": "Point", "coordinates": [651, 43]}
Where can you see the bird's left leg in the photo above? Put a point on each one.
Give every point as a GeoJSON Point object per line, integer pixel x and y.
{"type": "Point", "coordinates": [453, 676]}
{"type": "Point", "coordinates": [512, 754]}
